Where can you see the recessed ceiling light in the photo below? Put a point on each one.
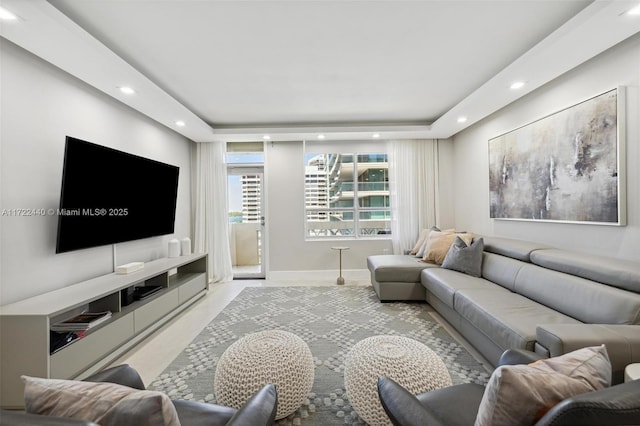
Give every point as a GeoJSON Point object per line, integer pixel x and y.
{"type": "Point", "coordinates": [266, 137]}
{"type": "Point", "coordinates": [180, 123]}
{"type": "Point", "coordinates": [375, 135]}
{"type": "Point", "coordinates": [127, 90]}
{"type": "Point", "coordinates": [462, 119]}
{"type": "Point", "coordinates": [517, 85]}
{"type": "Point", "coordinates": [634, 11]}
{"type": "Point", "coordinates": [320, 136]}
{"type": "Point", "coordinates": [5, 15]}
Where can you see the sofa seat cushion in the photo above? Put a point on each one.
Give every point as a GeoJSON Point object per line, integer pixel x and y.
{"type": "Point", "coordinates": [444, 283]}
{"type": "Point", "coordinates": [508, 319]}
{"type": "Point", "coordinates": [397, 267]}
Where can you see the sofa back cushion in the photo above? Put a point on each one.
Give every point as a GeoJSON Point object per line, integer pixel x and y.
{"type": "Point", "coordinates": [623, 274]}
{"type": "Point", "coordinates": [582, 299]}
{"type": "Point", "coordinates": [501, 270]}
{"type": "Point", "coordinates": [516, 249]}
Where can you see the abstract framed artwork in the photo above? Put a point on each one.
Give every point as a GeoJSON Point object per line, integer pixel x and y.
{"type": "Point", "coordinates": [566, 167]}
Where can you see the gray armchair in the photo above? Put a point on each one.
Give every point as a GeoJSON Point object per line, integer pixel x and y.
{"type": "Point", "coordinates": [458, 405]}
{"type": "Point", "coordinates": [259, 410]}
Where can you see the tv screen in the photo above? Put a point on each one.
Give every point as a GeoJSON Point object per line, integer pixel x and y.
{"type": "Point", "coordinates": [109, 196]}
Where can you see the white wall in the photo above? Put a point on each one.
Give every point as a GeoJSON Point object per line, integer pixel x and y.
{"type": "Point", "coordinates": [446, 194]}
{"type": "Point", "coordinates": [288, 251]}
{"type": "Point", "coordinates": [617, 66]}
{"type": "Point", "coordinates": [40, 105]}
{"type": "Point", "coordinates": [287, 248]}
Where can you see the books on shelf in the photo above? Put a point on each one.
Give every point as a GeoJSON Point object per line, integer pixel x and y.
{"type": "Point", "coordinates": [82, 321]}
{"type": "Point", "coordinates": [59, 340]}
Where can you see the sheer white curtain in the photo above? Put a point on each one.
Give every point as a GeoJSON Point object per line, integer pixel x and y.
{"type": "Point", "coordinates": [413, 173]}
{"type": "Point", "coordinates": [211, 221]}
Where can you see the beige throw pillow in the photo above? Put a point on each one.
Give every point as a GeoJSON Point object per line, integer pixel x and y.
{"type": "Point", "coordinates": [422, 240]}
{"type": "Point", "coordinates": [438, 245]}
{"type": "Point", "coordinates": [519, 395]}
{"type": "Point", "coordinates": [103, 403]}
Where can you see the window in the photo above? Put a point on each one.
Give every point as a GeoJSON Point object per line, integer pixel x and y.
{"type": "Point", "coordinates": [244, 186]}
{"type": "Point", "coordinates": [347, 195]}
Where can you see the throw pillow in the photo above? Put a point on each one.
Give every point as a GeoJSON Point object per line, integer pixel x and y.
{"type": "Point", "coordinates": [422, 240]}
{"type": "Point", "coordinates": [438, 245]}
{"type": "Point", "coordinates": [522, 394]}
{"type": "Point", "coordinates": [420, 253]}
{"type": "Point", "coordinates": [465, 259]}
{"type": "Point", "coordinates": [104, 403]}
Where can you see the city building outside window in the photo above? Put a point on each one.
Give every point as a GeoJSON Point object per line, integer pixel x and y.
{"type": "Point", "coordinates": [347, 195]}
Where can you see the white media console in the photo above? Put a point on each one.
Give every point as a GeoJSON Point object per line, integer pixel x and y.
{"type": "Point", "coordinates": [25, 325]}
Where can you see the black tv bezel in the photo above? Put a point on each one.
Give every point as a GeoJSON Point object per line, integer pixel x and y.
{"type": "Point", "coordinates": [146, 160]}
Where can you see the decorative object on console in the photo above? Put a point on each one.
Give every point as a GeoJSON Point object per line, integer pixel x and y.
{"type": "Point", "coordinates": [185, 246]}
{"type": "Point", "coordinates": [568, 166]}
{"type": "Point", "coordinates": [174, 248]}
{"type": "Point", "coordinates": [129, 267]}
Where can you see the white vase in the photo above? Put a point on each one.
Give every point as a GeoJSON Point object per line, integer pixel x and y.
{"type": "Point", "coordinates": [185, 246]}
{"type": "Point", "coordinates": [174, 248]}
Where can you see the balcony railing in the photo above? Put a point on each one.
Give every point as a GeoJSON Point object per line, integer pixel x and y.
{"type": "Point", "coordinates": [319, 226]}
{"type": "Point", "coordinates": [366, 186]}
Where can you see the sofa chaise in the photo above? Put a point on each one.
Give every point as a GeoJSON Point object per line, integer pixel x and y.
{"type": "Point", "coordinates": [529, 296]}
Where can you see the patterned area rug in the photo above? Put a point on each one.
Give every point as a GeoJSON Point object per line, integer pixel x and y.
{"type": "Point", "coordinates": [330, 320]}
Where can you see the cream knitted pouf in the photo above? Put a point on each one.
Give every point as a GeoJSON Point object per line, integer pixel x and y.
{"type": "Point", "coordinates": [273, 356]}
{"type": "Point", "coordinates": [407, 361]}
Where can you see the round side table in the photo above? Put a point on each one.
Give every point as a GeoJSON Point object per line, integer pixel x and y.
{"type": "Point", "coordinates": [340, 280]}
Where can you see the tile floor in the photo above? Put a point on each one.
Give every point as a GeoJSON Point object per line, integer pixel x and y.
{"type": "Point", "coordinates": [157, 351]}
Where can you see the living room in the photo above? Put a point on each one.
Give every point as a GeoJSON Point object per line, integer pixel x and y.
{"type": "Point", "coordinates": [42, 103]}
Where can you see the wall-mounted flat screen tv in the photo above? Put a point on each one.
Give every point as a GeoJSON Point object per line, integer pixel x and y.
{"type": "Point", "coordinates": [110, 196]}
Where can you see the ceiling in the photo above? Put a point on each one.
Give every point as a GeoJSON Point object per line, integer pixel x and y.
{"type": "Point", "coordinates": [238, 70]}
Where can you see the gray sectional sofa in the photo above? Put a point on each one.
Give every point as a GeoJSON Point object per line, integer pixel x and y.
{"type": "Point", "coordinates": [529, 296]}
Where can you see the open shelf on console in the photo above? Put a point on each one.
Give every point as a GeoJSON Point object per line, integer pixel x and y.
{"type": "Point", "coordinates": [25, 326]}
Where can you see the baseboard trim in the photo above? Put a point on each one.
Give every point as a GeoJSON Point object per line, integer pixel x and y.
{"type": "Point", "coordinates": [349, 274]}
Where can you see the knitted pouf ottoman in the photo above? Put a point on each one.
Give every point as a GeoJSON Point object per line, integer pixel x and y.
{"type": "Point", "coordinates": [408, 362]}
{"type": "Point", "coordinates": [273, 356]}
